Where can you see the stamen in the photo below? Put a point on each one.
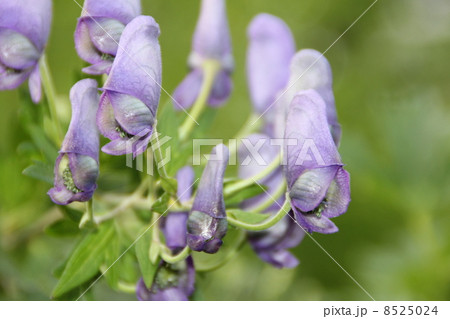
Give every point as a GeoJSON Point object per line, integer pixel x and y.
{"type": "Point", "coordinates": [68, 181]}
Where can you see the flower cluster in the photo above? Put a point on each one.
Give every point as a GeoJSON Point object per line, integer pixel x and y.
{"type": "Point", "coordinates": [285, 193]}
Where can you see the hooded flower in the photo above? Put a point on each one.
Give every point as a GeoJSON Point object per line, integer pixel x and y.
{"type": "Point", "coordinates": [76, 168]}
{"type": "Point", "coordinates": [309, 70]}
{"type": "Point", "coordinates": [24, 30]}
{"type": "Point", "coordinates": [271, 245]}
{"type": "Point", "coordinates": [211, 41]}
{"type": "Point", "coordinates": [99, 29]}
{"type": "Point", "coordinates": [173, 282]}
{"type": "Point", "coordinates": [319, 187]}
{"type": "Point", "coordinates": [131, 94]}
{"type": "Point", "coordinates": [271, 48]}
{"type": "Point", "coordinates": [207, 223]}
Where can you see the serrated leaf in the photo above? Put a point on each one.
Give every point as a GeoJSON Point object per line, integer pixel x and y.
{"type": "Point", "coordinates": [63, 228]}
{"type": "Point", "coordinates": [40, 171]}
{"type": "Point", "coordinates": [86, 259]}
{"type": "Point", "coordinates": [148, 269]}
{"type": "Point", "coordinates": [246, 193]}
{"type": "Point", "coordinates": [248, 217]}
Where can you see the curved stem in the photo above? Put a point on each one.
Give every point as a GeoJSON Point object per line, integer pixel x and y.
{"type": "Point", "coordinates": [88, 217]}
{"type": "Point", "coordinates": [266, 224]}
{"type": "Point", "coordinates": [270, 200]}
{"type": "Point", "coordinates": [210, 70]}
{"type": "Point", "coordinates": [182, 255]}
{"type": "Point", "coordinates": [50, 93]}
{"type": "Point", "coordinates": [238, 186]}
{"type": "Point", "coordinates": [126, 203]}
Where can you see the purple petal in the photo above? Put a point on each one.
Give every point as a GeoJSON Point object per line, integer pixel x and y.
{"type": "Point", "coordinates": [105, 34]}
{"type": "Point", "coordinates": [136, 70]}
{"type": "Point", "coordinates": [270, 51]}
{"type": "Point", "coordinates": [338, 195]}
{"type": "Point", "coordinates": [34, 84]}
{"type": "Point", "coordinates": [82, 136]}
{"type": "Point", "coordinates": [212, 36]}
{"type": "Point", "coordinates": [307, 127]}
{"type": "Point", "coordinates": [16, 51]}
{"type": "Point", "coordinates": [313, 223]}
{"type": "Point", "coordinates": [10, 80]}
{"type": "Point", "coordinates": [83, 43]}
{"type": "Point", "coordinates": [99, 68]}
{"type": "Point", "coordinates": [185, 178]}
{"type": "Point", "coordinates": [31, 18]}
{"type": "Point", "coordinates": [122, 10]}
{"type": "Point", "coordinates": [174, 229]}
{"type": "Point", "coordinates": [221, 89]}
{"type": "Point", "coordinates": [187, 91]}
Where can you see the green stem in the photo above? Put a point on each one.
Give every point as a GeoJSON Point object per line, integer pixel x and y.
{"type": "Point", "coordinates": [238, 186]}
{"type": "Point", "coordinates": [270, 200]}
{"type": "Point", "coordinates": [266, 224]}
{"type": "Point", "coordinates": [182, 255]}
{"type": "Point", "coordinates": [88, 217]}
{"type": "Point", "coordinates": [157, 152]}
{"type": "Point", "coordinates": [126, 287]}
{"type": "Point", "coordinates": [210, 70]}
{"type": "Point", "coordinates": [155, 247]}
{"type": "Point", "coordinates": [50, 93]}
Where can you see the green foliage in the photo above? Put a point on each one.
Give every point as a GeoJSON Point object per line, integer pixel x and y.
{"type": "Point", "coordinates": [40, 171]}
{"type": "Point", "coordinates": [148, 268]}
{"type": "Point", "coordinates": [248, 217]}
{"type": "Point", "coordinates": [86, 259]}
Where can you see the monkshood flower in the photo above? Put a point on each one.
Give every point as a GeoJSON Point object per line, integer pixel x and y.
{"type": "Point", "coordinates": [271, 48]}
{"type": "Point", "coordinates": [99, 29]}
{"type": "Point", "coordinates": [207, 223]}
{"type": "Point", "coordinates": [173, 281]}
{"type": "Point", "coordinates": [309, 70]}
{"type": "Point", "coordinates": [24, 30]}
{"type": "Point", "coordinates": [131, 93]}
{"type": "Point", "coordinates": [319, 187]}
{"type": "Point", "coordinates": [211, 41]}
{"type": "Point", "coordinates": [76, 168]}
{"type": "Point", "coordinates": [271, 245]}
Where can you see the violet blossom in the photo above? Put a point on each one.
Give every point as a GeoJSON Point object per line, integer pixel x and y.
{"type": "Point", "coordinates": [309, 70]}
{"type": "Point", "coordinates": [319, 187]}
{"type": "Point", "coordinates": [207, 223]}
{"type": "Point", "coordinates": [131, 93]}
{"type": "Point", "coordinates": [272, 244]}
{"type": "Point", "coordinates": [99, 30]}
{"type": "Point", "coordinates": [24, 30]}
{"type": "Point", "coordinates": [77, 167]}
{"type": "Point", "coordinates": [211, 41]}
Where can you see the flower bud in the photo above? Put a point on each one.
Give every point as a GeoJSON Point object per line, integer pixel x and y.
{"type": "Point", "coordinates": [76, 168]}
{"type": "Point", "coordinates": [319, 187]}
{"type": "Point", "coordinates": [131, 94]}
{"type": "Point", "coordinates": [207, 223]}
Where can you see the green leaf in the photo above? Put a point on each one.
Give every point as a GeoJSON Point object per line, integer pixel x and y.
{"type": "Point", "coordinates": [43, 144]}
{"type": "Point", "coordinates": [40, 171]}
{"type": "Point", "coordinates": [248, 217]}
{"type": "Point", "coordinates": [112, 253]}
{"type": "Point", "coordinates": [72, 214]}
{"type": "Point", "coordinates": [244, 194]}
{"type": "Point", "coordinates": [148, 269]}
{"type": "Point", "coordinates": [62, 228]}
{"type": "Point", "coordinates": [169, 184]}
{"type": "Point", "coordinates": [161, 204]}
{"type": "Point", "coordinates": [85, 260]}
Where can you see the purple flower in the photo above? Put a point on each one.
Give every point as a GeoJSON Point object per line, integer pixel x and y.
{"type": "Point", "coordinates": [271, 48]}
{"type": "Point", "coordinates": [173, 282]}
{"type": "Point", "coordinates": [309, 70]}
{"type": "Point", "coordinates": [131, 94]}
{"type": "Point", "coordinates": [211, 41]}
{"type": "Point", "coordinates": [319, 187]}
{"type": "Point", "coordinates": [207, 223]}
{"type": "Point", "coordinates": [271, 245]}
{"type": "Point", "coordinates": [24, 30]}
{"type": "Point", "coordinates": [99, 30]}
{"type": "Point", "coordinates": [76, 168]}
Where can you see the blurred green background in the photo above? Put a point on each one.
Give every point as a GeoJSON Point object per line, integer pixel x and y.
{"type": "Point", "coordinates": [392, 88]}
